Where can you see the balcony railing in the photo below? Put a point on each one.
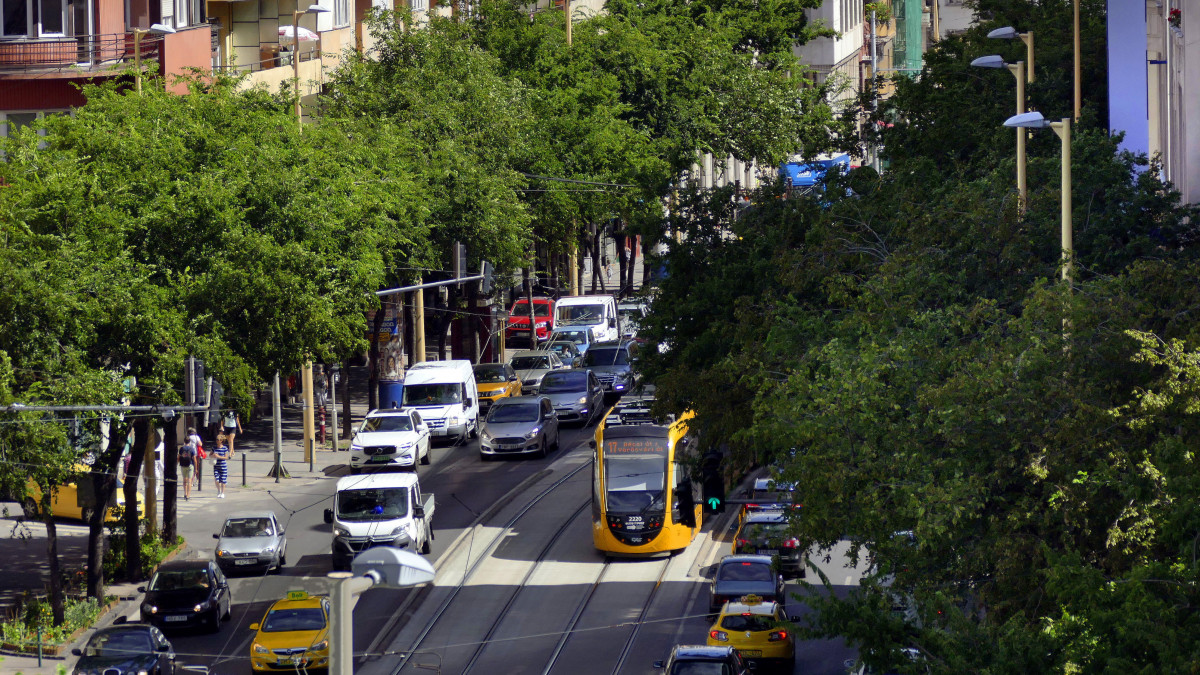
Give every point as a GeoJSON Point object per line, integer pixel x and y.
{"type": "Point", "coordinates": [84, 52]}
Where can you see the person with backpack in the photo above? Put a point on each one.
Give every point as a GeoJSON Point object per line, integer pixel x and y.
{"type": "Point", "coordinates": [187, 457]}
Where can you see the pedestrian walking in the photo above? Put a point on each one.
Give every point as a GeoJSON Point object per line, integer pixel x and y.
{"type": "Point", "coordinates": [233, 427]}
{"type": "Point", "coordinates": [187, 457]}
{"type": "Point", "coordinates": [221, 458]}
{"type": "Point", "coordinates": [197, 444]}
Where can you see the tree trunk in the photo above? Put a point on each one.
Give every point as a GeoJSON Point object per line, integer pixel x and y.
{"type": "Point", "coordinates": [472, 326]}
{"type": "Point", "coordinates": [596, 255]}
{"type": "Point", "coordinates": [373, 358]}
{"type": "Point", "coordinates": [170, 480]}
{"type": "Point", "coordinates": [347, 424]}
{"type": "Point", "coordinates": [619, 238]}
{"type": "Point", "coordinates": [633, 251]}
{"type": "Point", "coordinates": [58, 610]}
{"type": "Point", "coordinates": [133, 543]}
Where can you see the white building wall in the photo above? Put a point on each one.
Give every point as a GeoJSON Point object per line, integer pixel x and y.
{"type": "Point", "coordinates": [1173, 90]}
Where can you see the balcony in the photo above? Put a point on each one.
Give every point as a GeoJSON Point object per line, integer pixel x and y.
{"type": "Point", "coordinates": [83, 52]}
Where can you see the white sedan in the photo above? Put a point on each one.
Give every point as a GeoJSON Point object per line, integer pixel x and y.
{"type": "Point", "coordinates": [390, 438]}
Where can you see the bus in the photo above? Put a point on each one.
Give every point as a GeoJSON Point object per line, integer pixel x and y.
{"type": "Point", "coordinates": [639, 467]}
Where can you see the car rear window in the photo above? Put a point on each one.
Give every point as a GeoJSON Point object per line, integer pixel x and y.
{"type": "Point", "coordinates": [741, 622]}
{"type": "Point", "coordinates": [745, 571]}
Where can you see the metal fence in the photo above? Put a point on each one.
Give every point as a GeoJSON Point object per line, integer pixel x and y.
{"type": "Point", "coordinates": [85, 52]}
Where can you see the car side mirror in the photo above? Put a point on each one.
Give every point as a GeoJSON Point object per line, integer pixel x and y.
{"type": "Point", "coordinates": [467, 402]}
{"type": "Point", "coordinates": [329, 515]}
{"type": "Point", "coordinates": [141, 589]}
{"type": "Point", "coordinates": [418, 511]}
{"type": "Point", "coordinates": [164, 648]}
{"type": "Point", "coordinates": [253, 626]}
{"type": "Point", "coordinates": [658, 664]}
{"type": "Point", "coordinates": [216, 536]}
{"type": "Point", "coordinates": [612, 322]}
{"type": "Point", "coordinates": [282, 532]}
{"type": "Point", "coordinates": [77, 651]}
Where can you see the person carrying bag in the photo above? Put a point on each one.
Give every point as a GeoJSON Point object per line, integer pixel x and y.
{"type": "Point", "coordinates": [187, 457]}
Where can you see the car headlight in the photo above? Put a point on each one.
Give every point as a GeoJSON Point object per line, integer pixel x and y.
{"type": "Point", "coordinates": [221, 553]}
{"type": "Point", "coordinates": [582, 399]}
{"type": "Point", "coordinates": [485, 436]}
{"type": "Point", "coordinates": [320, 646]}
{"type": "Point", "coordinates": [453, 419]}
{"type": "Point", "coordinates": [400, 532]}
{"type": "Point", "coordinates": [355, 448]}
{"type": "Point", "coordinates": [200, 606]}
{"type": "Point", "coordinates": [259, 649]}
{"type": "Point", "coordinates": [269, 549]}
{"type": "Point", "coordinates": [541, 324]}
{"type": "Point", "coordinates": [339, 531]}
{"type": "Point", "coordinates": [532, 432]}
{"type": "Point", "coordinates": [143, 672]}
{"type": "Point", "coordinates": [150, 609]}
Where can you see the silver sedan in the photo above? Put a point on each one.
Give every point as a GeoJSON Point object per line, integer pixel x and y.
{"type": "Point", "coordinates": [518, 426]}
{"type": "Point", "coordinates": [253, 541]}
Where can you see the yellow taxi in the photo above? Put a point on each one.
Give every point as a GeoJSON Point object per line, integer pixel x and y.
{"type": "Point", "coordinates": [294, 634]}
{"type": "Point", "coordinates": [496, 381]}
{"type": "Point", "coordinates": [64, 501]}
{"type": "Point", "coordinates": [757, 630]}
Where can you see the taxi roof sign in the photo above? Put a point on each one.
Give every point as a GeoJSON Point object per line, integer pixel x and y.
{"type": "Point", "coordinates": [297, 595]}
{"type": "Point", "coordinates": [752, 599]}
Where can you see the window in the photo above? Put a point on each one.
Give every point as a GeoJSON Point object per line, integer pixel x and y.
{"type": "Point", "coordinates": [33, 18]}
{"type": "Point", "coordinates": [341, 13]}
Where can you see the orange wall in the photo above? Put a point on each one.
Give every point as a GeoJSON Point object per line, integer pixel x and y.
{"type": "Point", "coordinates": [112, 16]}
{"type": "Point", "coordinates": [187, 48]}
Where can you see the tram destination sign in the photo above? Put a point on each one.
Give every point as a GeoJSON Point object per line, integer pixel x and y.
{"type": "Point", "coordinates": [635, 445]}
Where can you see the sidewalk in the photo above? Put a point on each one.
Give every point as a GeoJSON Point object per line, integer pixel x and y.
{"type": "Point", "coordinates": [256, 447]}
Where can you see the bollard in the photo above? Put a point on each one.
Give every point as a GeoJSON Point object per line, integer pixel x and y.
{"type": "Point", "coordinates": [243, 469]}
{"type": "Point", "coordinates": [310, 455]}
{"type": "Point", "coordinates": [199, 473]}
{"type": "Point", "coordinates": [39, 646]}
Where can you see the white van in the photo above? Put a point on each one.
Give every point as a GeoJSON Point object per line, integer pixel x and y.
{"type": "Point", "coordinates": [382, 509]}
{"type": "Point", "coordinates": [446, 395]}
{"type": "Point", "coordinates": [598, 312]}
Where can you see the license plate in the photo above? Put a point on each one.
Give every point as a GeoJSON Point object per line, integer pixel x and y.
{"type": "Point", "coordinates": [768, 551]}
{"type": "Point", "coordinates": [285, 660]}
{"type": "Point", "coordinates": [245, 561]}
{"type": "Point", "coordinates": [750, 652]}
{"type": "Point", "coordinates": [173, 619]}
{"type": "Point", "coordinates": [379, 460]}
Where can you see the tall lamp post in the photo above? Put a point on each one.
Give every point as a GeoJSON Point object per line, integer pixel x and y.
{"type": "Point", "coordinates": [1018, 71]}
{"type": "Point", "coordinates": [156, 29]}
{"type": "Point", "coordinates": [296, 14]}
{"type": "Point", "coordinates": [1010, 33]}
{"type": "Point", "coordinates": [1034, 120]}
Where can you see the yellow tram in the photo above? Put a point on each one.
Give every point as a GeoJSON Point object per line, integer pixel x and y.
{"type": "Point", "coordinates": [644, 499]}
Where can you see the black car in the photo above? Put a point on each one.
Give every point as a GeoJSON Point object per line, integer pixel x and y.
{"type": "Point", "coordinates": [766, 533]}
{"type": "Point", "coordinates": [612, 362]}
{"type": "Point", "coordinates": [703, 660]}
{"type": "Point", "coordinates": [186, 593]}
{"type": "Point", "coordinates": [126, 649]}
{"type": "Point", "coordinates": [740, 575]}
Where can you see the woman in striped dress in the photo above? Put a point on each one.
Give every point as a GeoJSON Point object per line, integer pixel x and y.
{"type": "Point", "coordinates": [221, 464]}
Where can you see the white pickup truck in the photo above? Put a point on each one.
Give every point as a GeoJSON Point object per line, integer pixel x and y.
{"type": "Point", "coordinates": [381, 509]}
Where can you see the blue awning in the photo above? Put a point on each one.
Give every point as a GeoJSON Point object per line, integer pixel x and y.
{"type": "Point", "coordinates": [804, 174]}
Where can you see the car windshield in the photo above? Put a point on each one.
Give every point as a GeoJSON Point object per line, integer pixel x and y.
{"type": "Point", "coordinates": [566, 381]}
{"type": "Point", "coordinates": [701, 668]}
{"type": "Point", "coordinates": [513, 413]}
{"type": "Point", "coordinates": [580, 314]}
{"type": "Point", "coordinates": [432, 394]}
{"type": "Point", "coordinates": [530, 362]}
{"type": "Point", "coordinates": [387, 423]}
{"type": "Point", "coordinates": [635, 484]}
{"type": "Point", "coordinates": [176, 580]}
{"type": "Point", "coordinates": [521, 307]}
{"type": "Point", "coordinates": [490, 374]}
{"type": "Point", "coordinates": [579, 337]}
{"type": "Point", "coordinates": [606, 356]}
{"type": "Point", "coordinates": [119, 643]}
{"type": "Point", "coordinates": [740, 622]}
{"type": "Point", "coordinates": [745, 571]}
{"type": "Point", "coordinates": [561, 348]}
{"type": "Point", "coordinates": [373, 503]}
{"type": "Point", "coordinates": [294, 618]}
{"type": "Point", "coordinates": [248, 527]}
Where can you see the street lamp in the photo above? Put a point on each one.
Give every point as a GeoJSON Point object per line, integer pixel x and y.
{"type": "Point", "coordinates": [156, 29]}
{"type": "Point", "coordinates": [1018, 71]}
{"type": "Point", "coordinates": [1010, 33]}
{"type": "Point", "coordinates": [1034, 120]}
{"type": "Point", "coordinates": [296, 14]}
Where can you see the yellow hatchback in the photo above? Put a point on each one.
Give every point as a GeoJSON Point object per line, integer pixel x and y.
{"type": "Point", "coordinates": [293, 635]}
{"type": "Point", "coordinates": [496, 381]}
{"type": "Point", "coordinates": [757, 630]}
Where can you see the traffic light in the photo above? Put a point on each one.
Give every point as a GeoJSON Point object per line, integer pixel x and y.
{"type": "Point", "coordinates": [489, 274]}
{"type": "Point", "coordinates": [713, 483]}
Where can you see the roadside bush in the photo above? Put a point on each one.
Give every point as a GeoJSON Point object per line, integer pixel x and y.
{"type": "Point", "coordinates": [154, 549]}
{"type": "Point", "coordinates": [33, 613]}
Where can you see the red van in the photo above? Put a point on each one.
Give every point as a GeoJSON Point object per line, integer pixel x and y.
{"type": "Point", "coordinates": [518, 320]}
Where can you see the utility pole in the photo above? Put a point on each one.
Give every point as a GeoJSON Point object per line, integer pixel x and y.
{"type": "Point", "coordinates": [567, 12]}
{"type": "Point", "coordinates": [149, 475]}
{"type": "Point", "coordinates": [419, 325]}
{"type": "Point", "coordinates": [306, 383]}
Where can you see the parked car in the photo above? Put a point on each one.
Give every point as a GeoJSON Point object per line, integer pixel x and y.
{"type": "Point", "coordinates": [515, 426]}
{"type": "Point", "coordinates": [567, 352]}
{"type": "Point", "coordinates": [254, 541]}
{"type": "Point", "coordinates": [65, 501]}
{"type": "Point", "coordinates": [757, 630]}
{"type": "Point", "coordinates": [612, 362]}
{"type": "Point", "coordinates": [390, 438]}
{"type": "Point", "coordinates": [126, 649]}
{"type": "Point", "coordinates": [702, 660]}
{"type": "Point", "coordinates": [575, 394]}
{"type": "Point", "coordinates": [293, 635]}
{"type": "Point", "coordinates": [517, 330]}
{"type": "Point", "coordinates": [495, 381]}
{"type": "Point", "coordinates": [766, 533]}
{"type": "Point", "coordinates": [532, 366]}
{"type": "Point", "coordinates": [739, 575]}
{"type": "Point", "coordinates": [184, 593]}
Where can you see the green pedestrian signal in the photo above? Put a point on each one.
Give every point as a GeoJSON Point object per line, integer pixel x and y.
{"type": "Point", "coordinates": [713, 503]}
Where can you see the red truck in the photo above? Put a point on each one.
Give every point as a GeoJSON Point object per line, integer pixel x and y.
{"type": "Point", "coordinates": [518, 320]}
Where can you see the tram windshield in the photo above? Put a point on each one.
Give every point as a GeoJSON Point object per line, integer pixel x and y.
{"type": "Point", "coordinates": [635, 472]}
